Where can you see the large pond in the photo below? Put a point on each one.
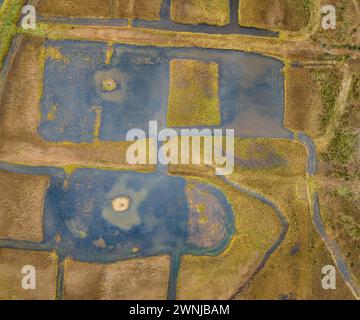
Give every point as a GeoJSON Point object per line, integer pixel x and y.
{"type": "Point", "coordinates": [250, 88]}
{"type": "Point", "coordinates": [86, 216]}
{"type": "Point", "coordinates": [80, 209]}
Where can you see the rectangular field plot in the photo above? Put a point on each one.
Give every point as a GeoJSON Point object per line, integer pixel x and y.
{"type": "Point", "coordinates": [108, 9]}
{"type": "Point", "coordinates": [22, 200]}
{"type": "Point", "coordinates": [211, 12]}
{"type": "Point", "coordinates": [194, 94]}
{"type": "Point", "coordinates": [133, 279]}
{"type": "Point", "coordinates": [11, 265]}
{"type": "Point", "coordinates": [292, 15]}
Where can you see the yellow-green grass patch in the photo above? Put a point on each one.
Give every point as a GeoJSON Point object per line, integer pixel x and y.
{"type": "Point", "coordinates": [303, 107]}
{"type": "Point", "coordinates": [291, 15]}
{"type": "Point", "coordinates": [293, 270]}
{"type": "Point", "coordinates": [194, 94]}
{"type": "Point", "coordinates": [74, 8]}
{"type": "Point", "coordinates": [271, 157]}
{"type": "Point", "coordinates": [9, 15]}
{"type": "Point", "coordinates": [139, 9]}
{"type": "Point", "coordinates": [211, 12]}
{"type": "Point", "coordinates": [219, 277]}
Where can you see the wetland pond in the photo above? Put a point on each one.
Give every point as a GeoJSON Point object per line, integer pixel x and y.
{"type": "Point", "coordinates": [105, 216]}
{"type": "Point", "coordinates": [251, 91]}
{"type": "Point", "coordinates": [165, 214]}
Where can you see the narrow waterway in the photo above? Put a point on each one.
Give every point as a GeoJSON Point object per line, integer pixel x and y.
{"type": "Point", "coordinates": [319, 224]}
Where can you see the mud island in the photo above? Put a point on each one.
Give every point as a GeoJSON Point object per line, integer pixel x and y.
{"type": "Point", "coordinates": [121, 204]}
{"type": "Point", "coordinates": [109, 85]}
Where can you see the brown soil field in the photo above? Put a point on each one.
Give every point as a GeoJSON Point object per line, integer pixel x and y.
{"type": "Point", "coordinates": [140, 279]}
{"type": "Point", "coordinates": [11, 263]}
{"type": "Point", "coordinates": [21, 206]}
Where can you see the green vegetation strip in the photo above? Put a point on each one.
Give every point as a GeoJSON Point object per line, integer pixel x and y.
{"type": "Point", "coordinates": [9, 16]}
{"type": "Point", "coordinates": [329, 81]}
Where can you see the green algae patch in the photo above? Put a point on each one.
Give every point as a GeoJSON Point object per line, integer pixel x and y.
{"type": "Point", "coordinates": [194, 94]}
{"type": "Point", "coordinates": [211, 12]}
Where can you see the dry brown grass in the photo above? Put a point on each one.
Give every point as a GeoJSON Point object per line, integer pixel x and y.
{"type": "Point", "coordinates": [270, 46]}
{"type": "Point", "coordinates": [138, 9]}
{"type": "Point", "coordinates": [347, 30]}
{"type": "Point", "coordinates": [219, 277]}
{"type": "Point", "coordinates": [11, 263]}
{"type": "Point", "coordinates": [74, 8]}
{"type": "Point", "coordinates": [140, 279]}
{"type": "Point", "coordinates": [339, 208]}
{"type": "Point", "coordinates": [291, 15]}
{"type": "Point", "coordinates": [21, 206]}
{"type": "Point", "coordinates": [295, 274]}
{"type": "Point", "coordinates": [302, 101]}
{"type": "Point", "coordinates": [120, 9]}
{"type": "Point", "coordinates": [211, 12]}
{"type": "Point", "coordinates": [294, 269]}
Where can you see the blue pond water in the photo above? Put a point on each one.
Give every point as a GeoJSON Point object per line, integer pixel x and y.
{"type": "Point", "coordinates": [251, 91]}
{"type": "Point", "coordinates": [81, 212]}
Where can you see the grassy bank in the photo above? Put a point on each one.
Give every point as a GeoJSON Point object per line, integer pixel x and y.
{"type": "Point", "coordinates": [9, 16]}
